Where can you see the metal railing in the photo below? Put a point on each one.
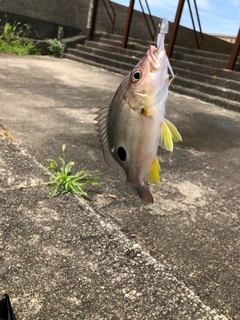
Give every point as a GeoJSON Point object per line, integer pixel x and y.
{"type": "Point", "coordinates": [176, 25]}
{"type": "Point", "coordinates": [129, 19]}
{"type": "Point", "coordinates": [152, 33]}
{"type": "Point", "coordinates": [235, 51]}
{"type": "Point", "coordinates": [199, 41]}
{"type": "Point", "coordinates": [112, 14]}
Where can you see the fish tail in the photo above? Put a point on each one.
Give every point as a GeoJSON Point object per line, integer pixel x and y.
{"type": "Point", "coordinates": [141, 191]}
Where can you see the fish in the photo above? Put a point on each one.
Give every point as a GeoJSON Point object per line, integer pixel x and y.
{"type": "Point", "coordinates": [133, 125]}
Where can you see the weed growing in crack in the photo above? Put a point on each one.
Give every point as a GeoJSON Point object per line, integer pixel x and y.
{"type": "Point", "coordinates": [63, 181]}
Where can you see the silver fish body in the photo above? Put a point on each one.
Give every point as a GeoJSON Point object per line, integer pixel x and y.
{"type": "Point", "coordinates": [133, 125]}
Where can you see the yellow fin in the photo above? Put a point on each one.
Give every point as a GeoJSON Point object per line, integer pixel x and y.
{"type": "Point", "coordinates": [165, 140]}
{"type": "Point", "coordinates": [176, 136]}
{"type": "Point", "coordinates": [153, 173]}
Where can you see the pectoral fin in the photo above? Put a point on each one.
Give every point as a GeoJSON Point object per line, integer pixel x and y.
{"type": "Point", "coordinates": [170, 81]}
{"type": "Point", "coordinates": [166, 140]}
{"type": "Point", "coordinates": [176, 136]}
{"type": "Point", "coordinates": [153, 173]}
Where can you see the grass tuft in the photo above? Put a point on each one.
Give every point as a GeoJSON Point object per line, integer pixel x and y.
{"type": "Point", "coordinates": [62, 181]}
{"type": "Point", "coordinates": [55, 45]}
{"type": "Point", "coordinates": [13, 40]}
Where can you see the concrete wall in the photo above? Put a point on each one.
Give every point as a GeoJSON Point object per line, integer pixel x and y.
{"type": "Point", "coordinates": [46, 15]}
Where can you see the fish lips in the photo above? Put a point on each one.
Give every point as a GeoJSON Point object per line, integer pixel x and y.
{"type": "Point", "coordinates": [154, 56]}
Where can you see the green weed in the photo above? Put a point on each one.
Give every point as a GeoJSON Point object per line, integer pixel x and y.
{"type": "Point", "coordinates": [55, 45]}
{"type": "Point", "coordinates": [63, 181]}
{"type": "Point", "coordinates": [12, 40]}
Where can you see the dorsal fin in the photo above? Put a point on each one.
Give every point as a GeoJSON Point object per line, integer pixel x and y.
{"type": "Point", "coordinates": [102, 116]}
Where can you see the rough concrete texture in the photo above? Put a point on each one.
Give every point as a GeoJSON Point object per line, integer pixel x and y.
{"type": "Point", "coordinates": [107, 258]}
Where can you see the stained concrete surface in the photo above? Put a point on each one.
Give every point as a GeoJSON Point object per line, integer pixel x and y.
{"type": "Point", "coordinates": [64, 257]}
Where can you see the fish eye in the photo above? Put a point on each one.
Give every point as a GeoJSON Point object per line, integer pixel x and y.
{"type": "Point", "coordinates": [136, 76]}
{"type": "Point", "coordinates": [122, 154]}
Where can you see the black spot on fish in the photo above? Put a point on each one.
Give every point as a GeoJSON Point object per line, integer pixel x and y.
{"type": "Point", "coordinates": [122, 154]}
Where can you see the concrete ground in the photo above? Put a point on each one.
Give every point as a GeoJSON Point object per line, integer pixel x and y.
{"type": "Point", "coordinates": [105, 258]}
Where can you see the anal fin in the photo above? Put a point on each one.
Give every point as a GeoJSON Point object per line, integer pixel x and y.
{"type": "Point", "coordinates": [152, 174]}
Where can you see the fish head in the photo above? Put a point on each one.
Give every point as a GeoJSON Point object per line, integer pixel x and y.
{"type": "Point", "coordinates": [147, 84]}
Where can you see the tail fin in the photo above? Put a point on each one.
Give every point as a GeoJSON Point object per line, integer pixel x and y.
{"type": "Point", "coordinates": [141, 191]}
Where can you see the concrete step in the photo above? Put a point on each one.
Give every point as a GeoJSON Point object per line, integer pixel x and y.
{"type": "Point", "coordinates": [131, 57]}
{"type": "Point", "coordinates": [206, 70]}
{"type": "Point", "coordinates": [116, 49]}
{"type": "Point", "coordinates": [219, 101]}
{"type": "Point", "coordinates": [142, 45]}
{"type": "Point", "coordinates": [94, 63]}
{"type": "Point", "coordinates": [120, 55]}
{"type": "Point", "coordinates": [199, 67]}
{"type": "Point", "coordinates": [202, 60]}
{"type": "Point", "coordinates": [200, 74]}
{"type": "Point", "coordinates": [100, 56]}
{"type": "Point", "coordinates": [105, 59]}
{"type": "Point", "coordinates": [221, 92]}
{"type": "Point", "coordinates": [208, 79]}
{"type": "Point", "coordinates": [102, 36]}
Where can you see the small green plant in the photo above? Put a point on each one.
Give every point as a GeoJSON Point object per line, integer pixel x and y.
{"type": "Point", "coordinates": [12, 40]}
{"type": "Point", "coordinates": [55, 45]}
{"type": "Point", "coordinates": [63, 181]}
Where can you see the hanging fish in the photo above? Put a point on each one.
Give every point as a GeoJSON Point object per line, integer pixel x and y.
{"type": "Point", "coordinates": [133, 125]}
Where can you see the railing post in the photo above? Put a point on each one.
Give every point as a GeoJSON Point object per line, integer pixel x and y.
{"type": "Point", "coordinates": [128, 23]}
{"type": "Point", "coordinates": [175, 28]}
{"type": "Point", "coordinates": [234, 53]}
{"type": "Point", "coordinates": [113, 19]}
{"type": "Point", "coordinates": [144, 14]}
{"type": "Point", "coordinates": [92, 17]}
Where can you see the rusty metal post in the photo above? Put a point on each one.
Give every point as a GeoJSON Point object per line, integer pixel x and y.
{"type": "Point", "coordinates": [92, 18]}
{"type": "Point", "coordinates": [175, 28]}
{"type": "Point", "coordinates": [234, 53]}
{"type": "Point", "coordinates": [128, 24]}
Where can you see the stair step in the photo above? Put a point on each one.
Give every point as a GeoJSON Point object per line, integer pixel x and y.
{"type": "Point", "coordinates": [210, 80]}
{"type": "Point", "coordinates": [200, 74]}
{"type": "Point", "coordinates": [133, 60]}
{"type": "Point", "coordinates": [116, 49]}
{"type": "Point", "coordinates": [94, 63]}
{"type": "Point", "coordinates": [108, 41]}
{"type": "Point", "coordinates": [221, 92]}
{"type": "Point", "coordinates": [226, 103]}
{"type": "Point", "coordinates": [207, 70]}
{"type": "Point", "coordinates": [142, 45]}
{"type": "Point", "coordinates": [206, 61]}
{"type": "Point", "coordinates": [101, 36]}
{"type": "Point", "coordinates": [102, 59]}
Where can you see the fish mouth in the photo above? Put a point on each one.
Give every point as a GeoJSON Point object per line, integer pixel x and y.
{"type": "Point", "coordinates": [153, 55]}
